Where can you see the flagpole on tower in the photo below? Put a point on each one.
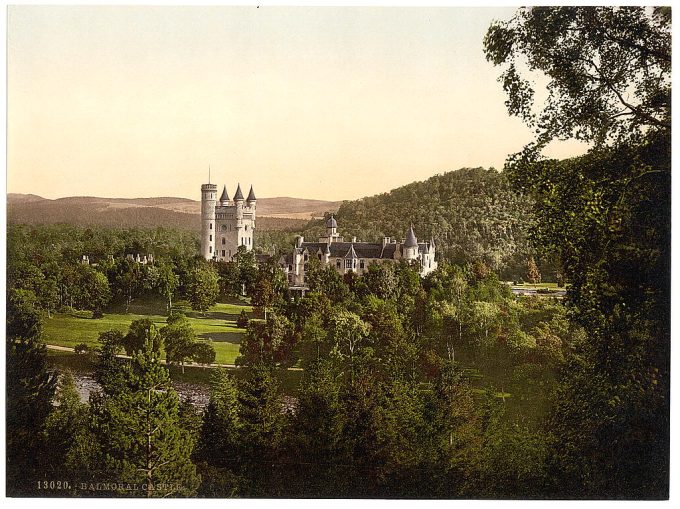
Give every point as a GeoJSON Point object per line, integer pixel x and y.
{"type": "Point", "coordinates": [208, 174]}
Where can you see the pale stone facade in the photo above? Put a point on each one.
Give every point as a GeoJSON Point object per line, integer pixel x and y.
{"type": "Point", "coordinates": [333, 250]}
{"type": "Point", "coordinates": [226, 224]}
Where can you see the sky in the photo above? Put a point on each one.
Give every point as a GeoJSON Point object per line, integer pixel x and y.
{"type": "Point", "coordinates": [309, 102]}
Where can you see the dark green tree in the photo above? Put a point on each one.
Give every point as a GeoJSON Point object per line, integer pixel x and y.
{"type": "Point", "coordinates": [203, 353]}
{"type": "Point", "coordinates": [202, 287]}
{"type": "Point", "coordinates": [65, 430]}
{"type": "Point", "coordinates": [139, 332]}
{"type": "Point", "coordinates": [609, 70]}
{"type": "Point", "coordinates": [30, 389]}
{"type": "Point", "coordinates": [533, 274]}
{"type": "Point", "coordinates": [262, 429]}
{"type": "Point", "coordinates": [23, 318]}
{"type": "Point", "coordinates": [139, 434]}
{"type": "Point", "coordinates": [166, 282]}
{"type": "Point", "coordinates": [220, 446]}
{"type": "Point", "coordinates": [179, 340]}
{"type": "Point", "coordinates": [242, 320]}
{"type": "Point", "coordinates": [606, 215]}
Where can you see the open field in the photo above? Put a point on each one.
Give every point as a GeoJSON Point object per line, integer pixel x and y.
{"type": "Point", "coordinates": [217, 326]}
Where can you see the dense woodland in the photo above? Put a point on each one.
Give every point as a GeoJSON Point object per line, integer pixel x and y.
{"type": "Point", "coordinates": [471, 214]}
{"type": "Point", "coordinates": [440, 387]}
{"type": "Point", "coordinates": [374, 350]}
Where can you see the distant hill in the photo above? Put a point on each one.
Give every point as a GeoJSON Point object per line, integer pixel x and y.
{"type": "Point", "coordinates": [471, 214]}
{"type": "Point", "coordinates": [274, 213]}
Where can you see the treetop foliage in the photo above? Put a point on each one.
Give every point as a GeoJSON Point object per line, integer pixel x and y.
{"type": "Point", "coordinates": [609, 71]}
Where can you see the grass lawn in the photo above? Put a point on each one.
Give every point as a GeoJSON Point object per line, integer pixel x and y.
{"type": "Point", "coordinates": [218, 325]}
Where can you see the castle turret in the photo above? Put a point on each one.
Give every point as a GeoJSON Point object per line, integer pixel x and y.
{"type": "Point", "coordinates": [251, 196]}
{"type": "Point", "coordinates": [208, 202]}
{"type": "Point", "coordinates": [239, 195]}
{"type": "Point", "coordinates": [411, 245]}
{"type": "Point", "coordinates": [224, 199]}
{"type": "Point", "coordinates": [331, 227]}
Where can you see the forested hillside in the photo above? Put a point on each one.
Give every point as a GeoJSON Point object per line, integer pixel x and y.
{"type": "Point", "coordinates": [471, 214]}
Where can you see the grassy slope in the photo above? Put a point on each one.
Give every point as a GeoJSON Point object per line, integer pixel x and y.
{"type": "Point", "coordinates": [219, 325]}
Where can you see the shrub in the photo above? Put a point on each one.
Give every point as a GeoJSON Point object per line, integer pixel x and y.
{"type": "Point", "coordinates": [242, 320]}
{"type": "Point", "coordinates": [203, 353]}
{"type": "Point", "coordinates": [81, 348]}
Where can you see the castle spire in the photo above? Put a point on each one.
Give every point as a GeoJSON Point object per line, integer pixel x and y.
{"type": "Point", "coordinates": [239, 194]}
{"type": "Point", "coordinates": [225, 197]}
{"type": "Point", "coordinates": [251, 194]}
{"type": "Point", "coordinates": [411, 240]}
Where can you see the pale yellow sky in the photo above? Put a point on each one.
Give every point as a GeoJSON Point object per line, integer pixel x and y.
{"type": "Point", "coordinates": [327, 103]}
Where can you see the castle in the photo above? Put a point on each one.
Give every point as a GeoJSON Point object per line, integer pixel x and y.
{"type": "Point", "coordinates": [353, 256]}
{"type": "Point", "coordinates": [226, 224]}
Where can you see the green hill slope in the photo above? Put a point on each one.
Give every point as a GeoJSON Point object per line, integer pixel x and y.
{"type": "Point", "coordinates": [471, 214]}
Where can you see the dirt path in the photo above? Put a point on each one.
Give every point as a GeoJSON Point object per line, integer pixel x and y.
{"type": "Point", "coordinates": [188, 364]}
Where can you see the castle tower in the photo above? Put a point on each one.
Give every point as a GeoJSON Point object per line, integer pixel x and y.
{"type": "Point", "coordinates": [208, 202]}
{"type": "Point", "coordinates": [411, 245]}
{"type": "Point", "coordinates": [234, 224]}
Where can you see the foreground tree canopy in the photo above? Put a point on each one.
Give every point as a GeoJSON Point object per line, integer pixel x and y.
{"type": "Point", "coordinates": [607, 217]}
{"type": "Point", "coordinates": [608, 70]}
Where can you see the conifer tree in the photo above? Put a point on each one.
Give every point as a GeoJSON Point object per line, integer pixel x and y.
{"type": "Point", "coordinates": [263, 421]}
{"type": "Point", "coordinates": [533, 274]}
{"type": "Point", "coordinates": [139, 434]}
{"type": "Point", "coordinates": [63, 427]}
{"type": "Point", "coordinates": [219, 444]}
{"type": "Point", "coordinates": [30, 388]}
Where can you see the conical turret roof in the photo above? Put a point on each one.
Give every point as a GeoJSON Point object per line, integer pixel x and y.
{"type": "Point", "coordinates": [239, 194]}
{"type": "Point", "coordinates": [331, 222]}
{"type": "Point", "coordinates": [225, 196]}
{"type": "Point", "coordinates": [251, 195]}
{"type": "Point", "coordinates": [411, 240]}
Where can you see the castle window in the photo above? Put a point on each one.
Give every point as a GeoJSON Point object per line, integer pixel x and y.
{"type": "Point", "coordinates": [306, 257]}
{"type": "Point", "coordinates": [337, 263]}
{"type": "Point", "coordinates": [224, 241]}
{"type": "Point", "coordinates": [211, 238]}
{"type": "Point", "coordinates": [246, 228]}
{"type": "Point", "coordinates": [348, 264]}
{"type": "Point", "coordinates": [210, 249]}
{"type": "Point", "coordinates": [223, 252]}
{"type": "Point", "coordinates": [211, 226]}
{"type": "Point", "coordinates": [306, 267]}
{"type": "Point", "coordinates": [361, 264]}
{"type": "Point", "coordinates": [319, 255]}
